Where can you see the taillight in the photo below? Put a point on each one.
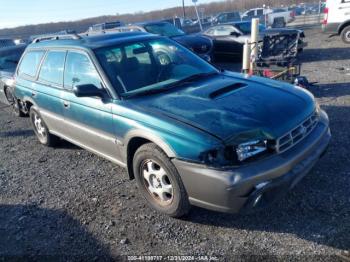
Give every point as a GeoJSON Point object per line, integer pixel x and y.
{"type": "Point", "coordinates": [326, 11]}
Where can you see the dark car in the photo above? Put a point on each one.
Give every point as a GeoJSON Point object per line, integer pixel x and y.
{"type": "Point", "coordinates": [228, 39]}
{"type": "Point", "coordinates": [5, 42]}
{"type": "Point", "coordinates": [9, 58]}
{"type": "Point", "coordinates": [226, 17]}
{"type": "Point", "coordinates": [186, 131]}
{"type": "Point", "coordinates": [201, 45]}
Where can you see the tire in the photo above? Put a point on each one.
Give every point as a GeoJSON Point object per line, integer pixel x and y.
{"type": "Point", "coordinates": [40, 129]}
{"type": "Point", "coordinates": [345, 35]}
{"type": "Point", "coordinates": [14, 103]}
{"type": "Point", "coordinates": [163, 189]}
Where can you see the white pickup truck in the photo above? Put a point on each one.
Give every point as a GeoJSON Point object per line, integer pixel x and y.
{"type": "Point", "coordinates": [337, 19]}
{"type": "Point", "coordinates": [271, 17]}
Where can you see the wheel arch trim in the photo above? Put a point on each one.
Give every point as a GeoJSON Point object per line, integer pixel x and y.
{"type": "Point", "coordinates": [138, 133]}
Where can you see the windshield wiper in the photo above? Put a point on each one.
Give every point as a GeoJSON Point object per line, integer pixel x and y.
{"type": "Point", "coordinates": [186, 80]}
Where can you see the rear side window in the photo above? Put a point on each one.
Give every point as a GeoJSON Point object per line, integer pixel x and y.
{"type": "Point", "coordinates": [30, 63]}
{"type": "Point", "coordinates": [52, 68]}
{"type": "Point", "coordinates": [80, 71]}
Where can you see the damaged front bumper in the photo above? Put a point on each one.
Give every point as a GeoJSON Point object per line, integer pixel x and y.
{"type": "Point", "coordinates": [254, 185]}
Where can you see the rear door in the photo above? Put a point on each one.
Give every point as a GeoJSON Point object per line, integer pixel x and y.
{"type": "Point", "coordinates": [48, 94]}
{"type": "Point", "coordinates": [89, 119]}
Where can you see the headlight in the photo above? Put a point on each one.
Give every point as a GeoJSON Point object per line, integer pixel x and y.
{"type": "Point", "coordinates": [234, 155]}
{"type": "Point", "coordinates": [250, 149]}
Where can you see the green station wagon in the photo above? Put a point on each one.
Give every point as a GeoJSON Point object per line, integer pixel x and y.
{"type": "Point", "coordinates": [189, 133]}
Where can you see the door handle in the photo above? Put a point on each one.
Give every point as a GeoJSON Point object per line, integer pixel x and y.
{"type": "Point", "coordinates": [33, 94]}
{"type": "Point", "coordinates": [66, 104]}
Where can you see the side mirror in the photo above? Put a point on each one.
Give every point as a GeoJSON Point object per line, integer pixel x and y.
{"type": "Point", "coordinates": [88, 90]}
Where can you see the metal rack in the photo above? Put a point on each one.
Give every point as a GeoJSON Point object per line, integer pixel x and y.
{"type": "Point", "coordinates": [57, 37]}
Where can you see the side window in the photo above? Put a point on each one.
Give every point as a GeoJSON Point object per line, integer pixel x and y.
{"type": "Point", "coordinates": [30, 63]}
{"type": "Point", "coordinates": [210, 31]}
{"type": "Point", "coordinates": [79, 71]}
{"type": "Point", "coordinates": [223, 31]}
{"type": "Point", "coordinates": [52, 68]}
{"type": "Point", "coordinates": [222, 18]}
{"type": "Point", "coordinates": [260, 12]}
{"type": "Point", "coordinates": [251, 13]}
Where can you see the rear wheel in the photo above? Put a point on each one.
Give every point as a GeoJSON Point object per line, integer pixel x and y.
{"type": "Point", "coordinates": [41, 130]}
{"type": "Point", "coordinates": [345, 35]}
{"type": "Point", "coordinates": [159, 181]}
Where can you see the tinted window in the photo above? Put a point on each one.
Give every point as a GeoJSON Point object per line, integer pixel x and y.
{"type": "Point", "coordinates": [30, 63]}
{"type": "Point", "coordinates": [251, 13]}
{"type": "Point", "coordinates": [232, 16]}
{"type": "Point", "coordinates": [223, 30]}
{"type": "Point", "coordinates": [222, 18]}
{"type": "Point", "coordinates": [52, 68]}
{"type": "Point", "coordinates": [79, 71]}
{"type": "Point", "coordinates": [246, 28]}
{"type": "Point", "coordinates": [163, 29]}
{"type": "Point", "coordinates": [260, 11]}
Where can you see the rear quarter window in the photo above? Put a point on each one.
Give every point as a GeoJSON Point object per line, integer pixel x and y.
{"type": "Point", "coordinates": [30, 63]}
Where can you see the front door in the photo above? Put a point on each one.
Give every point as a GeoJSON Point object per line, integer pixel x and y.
{"type": "Point", "coordinates": [89, 119]}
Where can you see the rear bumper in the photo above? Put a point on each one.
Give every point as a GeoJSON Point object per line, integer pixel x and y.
{"type": "Point", "coordinates": [254, 185]}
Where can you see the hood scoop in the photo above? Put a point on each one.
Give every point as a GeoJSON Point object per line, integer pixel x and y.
{"type": "Point", "coordinates": [222, 92]}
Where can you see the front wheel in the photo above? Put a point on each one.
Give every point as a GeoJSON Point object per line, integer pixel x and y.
{"type": "Point", "coordinates": [345, 35]}
{"type": "Point", "coordinates": [159, 181]}
{"type": "Point", "coordinates": [41, 130]}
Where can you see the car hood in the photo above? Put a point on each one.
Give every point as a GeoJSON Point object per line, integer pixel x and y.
{"type": "Point", "coordinates": [231, 107]}
{"type": "Point", "coordinates": [199, 44]}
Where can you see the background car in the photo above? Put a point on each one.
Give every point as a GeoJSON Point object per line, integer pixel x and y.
{"type": "Point", "coordinates": [4, 42]}
{"type": "Point", "coordinates": [271, 17]}
{"type": "Point", "coordinates": [9, 58]}
{"type": "Point", "coordinates": [201, 45]}
{"type": "Point", "coordinates": [226, 17]}
{"type": "Point", "coordinates": [228, 39]}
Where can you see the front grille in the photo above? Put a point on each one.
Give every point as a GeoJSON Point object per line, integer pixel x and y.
{"type": "Point", "coordinates": [297, 134]}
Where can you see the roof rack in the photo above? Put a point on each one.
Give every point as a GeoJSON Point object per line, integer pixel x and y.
{"type": "Point", "coordinates": [56, 37]}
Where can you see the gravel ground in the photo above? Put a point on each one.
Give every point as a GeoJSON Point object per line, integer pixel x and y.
{"type": "Point", "coordinates": [67, 203]}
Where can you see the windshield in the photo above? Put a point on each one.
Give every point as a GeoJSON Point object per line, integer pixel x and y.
{"type": "Point", "coordinates": [164, 29]}
{"type": "Point", "coordinates": [246, 28]}
{"type": "Point", "coordinates": [150, 65]}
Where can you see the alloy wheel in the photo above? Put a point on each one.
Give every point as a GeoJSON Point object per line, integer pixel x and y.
{"type": "Point", "coordinates": [157, 182]}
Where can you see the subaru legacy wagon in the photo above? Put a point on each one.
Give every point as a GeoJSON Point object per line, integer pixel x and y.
{"type": "Point", "coordinates": [189, 134]}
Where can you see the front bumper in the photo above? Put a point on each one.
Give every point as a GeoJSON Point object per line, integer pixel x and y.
{"type": "Point", "coordinates": [257, 184]}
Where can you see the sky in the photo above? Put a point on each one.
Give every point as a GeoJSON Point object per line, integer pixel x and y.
{"type": "Point", "coordinates": [24, 12]}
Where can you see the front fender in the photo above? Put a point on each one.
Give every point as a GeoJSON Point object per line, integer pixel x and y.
{"type": "Point", "coordinates": [138, 133]}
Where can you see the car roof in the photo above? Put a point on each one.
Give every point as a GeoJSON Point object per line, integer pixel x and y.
{"type": "Point", "coordinates": [94, 41]}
